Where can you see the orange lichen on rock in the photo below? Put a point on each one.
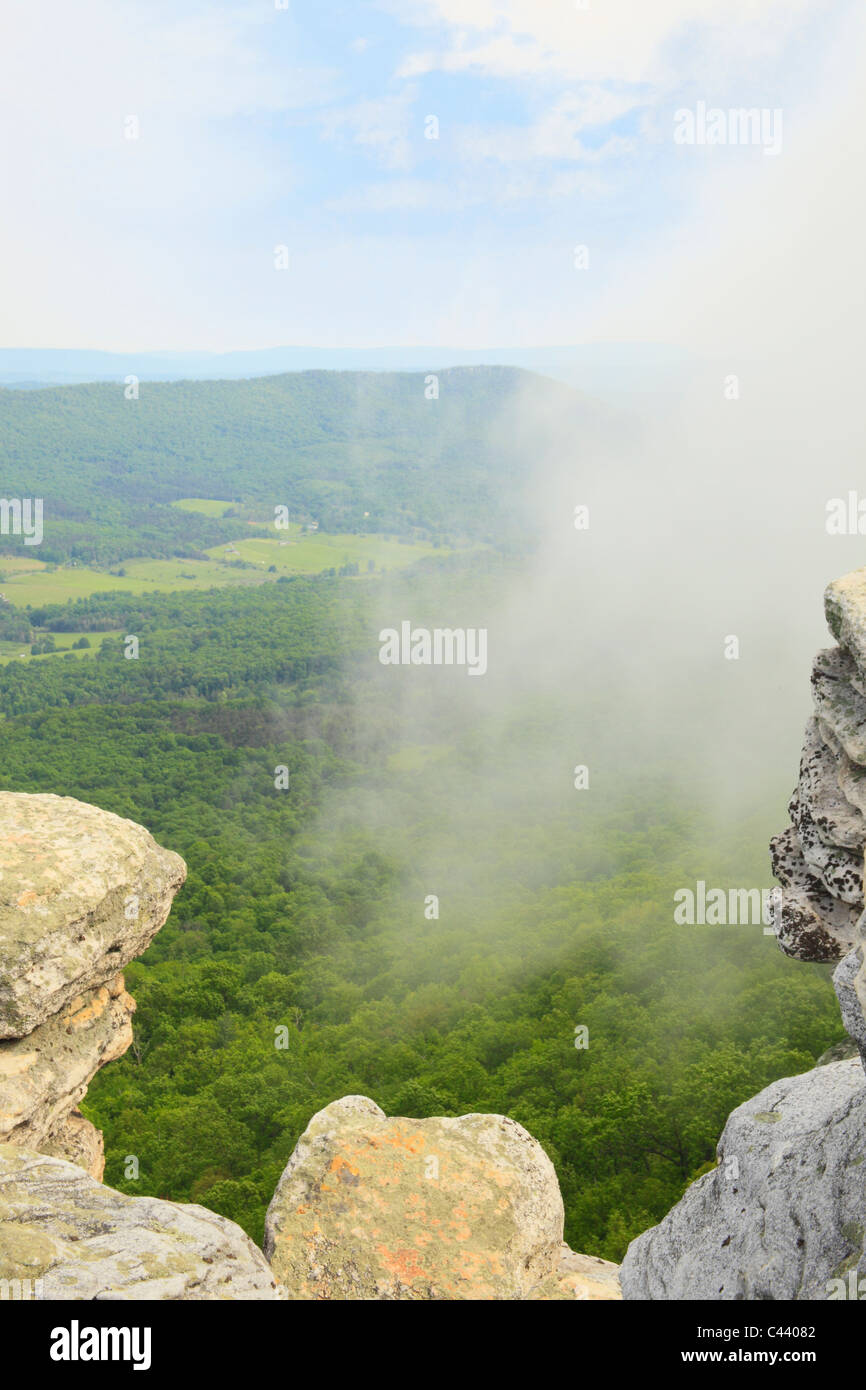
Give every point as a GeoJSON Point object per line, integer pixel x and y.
{"type": "Point", "coordinates": [445, 1208]}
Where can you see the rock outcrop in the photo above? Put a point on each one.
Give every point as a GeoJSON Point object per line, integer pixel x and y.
{"type": "Point", "coordinates": [371, 1207]}
{"type": "Point", "coordinates": [43, 1076]}
{"type": "Point", "coordinates": [819, 858]}
{"type": "Point", "coordinates": [81, 892]}
{"type": "Point", "coordinates": [73, 1238]}
{"type": "Point", "coordinates": [782, 1215]}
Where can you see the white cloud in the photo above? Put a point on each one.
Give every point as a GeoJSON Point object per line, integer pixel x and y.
{"type": "Point", "coordinates": [555, 135]}
{"type": "Point", "coordinates": [625, 40]}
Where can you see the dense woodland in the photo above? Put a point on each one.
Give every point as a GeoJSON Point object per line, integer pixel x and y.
{"type": "Point", "coordinates": [303, 918]}
{"type": "Point", "coordinates": [304, 910]}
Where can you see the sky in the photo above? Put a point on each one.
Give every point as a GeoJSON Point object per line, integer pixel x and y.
{"type": "Point", "coordinates": [157, 155]}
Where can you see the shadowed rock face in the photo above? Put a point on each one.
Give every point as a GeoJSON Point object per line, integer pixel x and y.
{"type": "Point", "coordinates": [86, 1241]}
{"type": "Point", "coordinates": [77, 1141]}
{"type": "Point", "coordinates": [82, 893]}
{"type": "Point", "coordinates": [376, 1208]}
{"type": "Point", "coordinates": [782, 1216]}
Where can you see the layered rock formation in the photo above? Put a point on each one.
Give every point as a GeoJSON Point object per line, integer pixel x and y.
{"type": "Point", "coordinates": [819, 859]}
{"type": "Point", "coordinates": [375, 1208]}
{"type": "Point", "coordinates": [81, 893]}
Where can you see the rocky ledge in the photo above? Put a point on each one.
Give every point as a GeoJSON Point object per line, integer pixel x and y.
{"type": "Point", "coordinates": [81, 893]}
{"type": "Point", "coordinates": [73, 1238]}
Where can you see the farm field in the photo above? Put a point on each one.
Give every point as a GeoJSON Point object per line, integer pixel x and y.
{"type": "Point", "coordinates": [63, 641]}
{"type": "Point", "coordinates": [245, 562]}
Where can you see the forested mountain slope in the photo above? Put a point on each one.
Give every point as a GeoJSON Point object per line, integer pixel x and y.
{"type": "Point", "coordinates": [353, 451]}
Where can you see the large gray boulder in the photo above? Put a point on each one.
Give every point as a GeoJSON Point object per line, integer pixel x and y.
{"type": "Point", "coordinates": [81, 1240]}
{"type": "Point", "coordinates": [783, 1215]}
{"type": "Point", "coordinates": [82, 892]}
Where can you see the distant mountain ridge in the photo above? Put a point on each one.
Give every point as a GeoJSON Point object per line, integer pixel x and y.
{"type": "Point", "coordinates": [613, 371]}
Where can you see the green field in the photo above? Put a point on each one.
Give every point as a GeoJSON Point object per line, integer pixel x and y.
{"type": "Point", "coordinates": [246, 562]}
{"type": "Point", "coordinates": [203, 506]}
{"type": "Point", "coordinates": [63, 641]}
{"type": "Point", "coordinates": [297, 552]}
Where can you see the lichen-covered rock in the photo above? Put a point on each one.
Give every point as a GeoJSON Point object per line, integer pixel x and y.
{"type": "Point", "coordinates": [782, 1216]}
{"type": "Point", "coordinates": [840, 870]}
{"type": "Point", "coordinates": [812, 924]}
{"type": "Point", "coordinates": [86, 1241]}
{"type": "Point", "coordinates": [838, 703]}
{"type": "Point", "coordinates": [820, 793]}
{"type": "Point", "coordinates": [78, 1141]}
{"type": "Point", "coordinates": [43, 1076]}
{"type": "Point", "coordinates": [851, 778]}
{"type": "Point", "coordinates": [376, 1208]}
{"type": "Point", "coordinates": [82, 892]}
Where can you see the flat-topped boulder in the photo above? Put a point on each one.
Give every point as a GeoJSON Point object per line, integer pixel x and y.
{"type": "Point", "coordinates": [85, 1241]}
{"type": "Point", "coordinates": [44, 1075]}
{"type": "Point", "coordinates": [82, 892]}
{"type": "Point", "coordinates": [371, 1207]}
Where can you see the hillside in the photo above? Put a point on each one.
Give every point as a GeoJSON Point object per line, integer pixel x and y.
{"type": "Point", "coordinates": [352, 451]}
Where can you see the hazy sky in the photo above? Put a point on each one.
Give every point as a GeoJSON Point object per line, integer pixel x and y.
{"type": "Point", "coordinates": [305, 127]}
